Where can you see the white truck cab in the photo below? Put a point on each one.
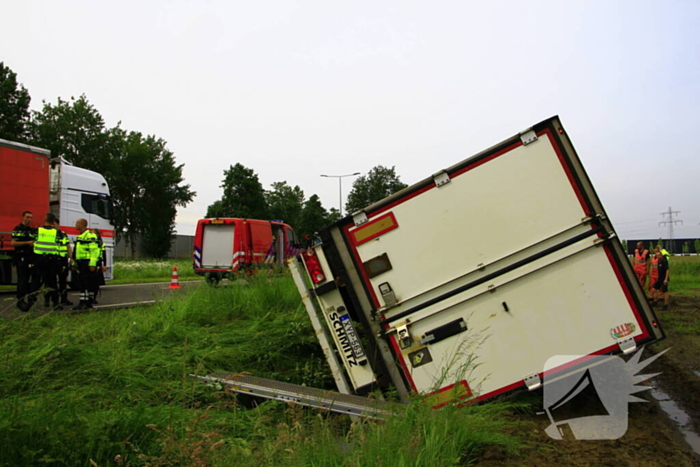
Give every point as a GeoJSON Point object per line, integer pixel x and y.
{"type": "Point", "coordinates": [77, 193]}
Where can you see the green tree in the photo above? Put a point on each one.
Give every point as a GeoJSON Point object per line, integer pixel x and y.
{"type": "Point", "coordinates": [686, 248]}
{"type": "Point", "coordinates": [150, 190]}
{"type": "Point", "coordinates": [145, 182]}
{"type": "Point", "coordinates": [215, 209]}
{"type": "Point", "coordinates": [14, 106]}
{"type": "Point", "coordinates": [285, 203]}
{"type": "Point", "coordinates": [624, 245]}
{"type": "Point", "coordinates": [74, 130]}
{"type": "Point", "coordinates": [313, 218]}
{"type": "Point", "coordinates": [379, 183]}
{"type": "Point", "coordinates": [333, 216]}
{"type": "Point", "coordinates": [243, 196]}
{"type": "Point", "coordinates": [696, 243]}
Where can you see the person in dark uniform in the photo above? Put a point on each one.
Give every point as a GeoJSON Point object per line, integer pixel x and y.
{"type": "Point", "coordinates": [663, 277]}
{"type": "Point", "coordinates": [46, 262]}
{"type": "Point", "coordinates": [23, 237]}
{"type": "Point", "coordinates": [64, 255]}
{"type": "Point", "coordinates": [99, 276]}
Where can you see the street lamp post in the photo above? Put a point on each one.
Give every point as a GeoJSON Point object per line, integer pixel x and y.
{"type": "Point", "coordinates": [340, 186]}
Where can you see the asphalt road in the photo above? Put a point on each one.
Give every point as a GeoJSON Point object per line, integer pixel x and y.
{"type": "Point", "coordinates": [112, 297]}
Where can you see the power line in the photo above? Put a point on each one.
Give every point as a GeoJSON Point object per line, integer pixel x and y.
{"type": "Point", "coordinates": [634, 222]}
{"type": "Point", "coordinates": [670, 213]}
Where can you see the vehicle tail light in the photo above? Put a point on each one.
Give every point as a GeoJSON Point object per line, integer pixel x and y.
{"type": "Point", "coordinates": [313, 266]}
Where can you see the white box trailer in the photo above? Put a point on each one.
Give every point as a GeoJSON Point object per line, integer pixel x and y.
{"type": "Point", "coordinates": [466, 283]}
{"type": "Point", "coordinates": [463, 285]}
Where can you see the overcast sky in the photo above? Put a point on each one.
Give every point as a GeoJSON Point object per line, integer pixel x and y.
{"type": "Point", "coordinates": [298, 89]}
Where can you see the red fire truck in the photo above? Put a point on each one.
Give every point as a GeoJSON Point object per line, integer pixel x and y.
{"type": "Point", "coordinates": [226, 246]}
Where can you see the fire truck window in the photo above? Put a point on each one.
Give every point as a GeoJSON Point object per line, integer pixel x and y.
{"type": "Point", "coordinates": [291, 237]}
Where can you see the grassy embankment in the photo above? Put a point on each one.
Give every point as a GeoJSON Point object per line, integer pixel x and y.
{"type": "Point", "coordinates": [685, 275]}
{"type": "Point", "coordinates": [685, 281]}
{"type": "Point", "coordinates": [129, 271]}
{"type": "Point", "coordinates": [112, 388]}
{"type": "Point", "coordinates": [685, 272]}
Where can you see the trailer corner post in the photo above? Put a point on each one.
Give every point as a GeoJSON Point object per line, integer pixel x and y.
{"type": "Point", "coordinates": [385, 352]}
{"type": "Point", "coordinates": [319, 329]}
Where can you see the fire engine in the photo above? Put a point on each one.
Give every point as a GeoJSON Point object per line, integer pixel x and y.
{"type": "Point", "coordinates": [224, 247]}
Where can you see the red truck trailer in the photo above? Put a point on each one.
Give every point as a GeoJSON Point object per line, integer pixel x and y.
{"type": "Point", "coordinates": [30, 180]}
{"type": "Point", "coordinates": [226, 246]}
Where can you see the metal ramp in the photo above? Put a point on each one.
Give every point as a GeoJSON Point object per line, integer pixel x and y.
{"type": "Point", "coordinates": [310, 397]}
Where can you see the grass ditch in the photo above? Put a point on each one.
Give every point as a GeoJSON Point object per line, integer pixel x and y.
{"type": "Point", "coordinates": [685, 275]}
{"type": "Point", "coordinates": [130, 271]}
{"type": "Point", "coordinates": [112, 388]}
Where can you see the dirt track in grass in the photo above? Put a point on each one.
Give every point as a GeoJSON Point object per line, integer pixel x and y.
{"type": "Point", "coordinates": [653, 438]}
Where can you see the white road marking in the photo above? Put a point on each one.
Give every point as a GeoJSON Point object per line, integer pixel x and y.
{"type": "Point", "coordinates": [112, 305]}
{"type": "Point", "coordinates": [145, 283]}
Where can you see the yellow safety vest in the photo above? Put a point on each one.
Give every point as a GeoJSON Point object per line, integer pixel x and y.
{"type": "Point", "coordinates": [45, 243]}
{"type": "Point", "coordinates": [62, 244]}
{"type": "Point", "coordinates": [86, 247]}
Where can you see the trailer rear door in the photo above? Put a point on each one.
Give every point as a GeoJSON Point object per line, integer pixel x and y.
{"type": "Point", "coordinates": [481, 273]}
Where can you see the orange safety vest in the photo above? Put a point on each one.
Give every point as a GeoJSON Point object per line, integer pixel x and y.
{"type": "Point", "coordinates": [654, 267]}
{"type": "Point", "coordinates": [640, 261]}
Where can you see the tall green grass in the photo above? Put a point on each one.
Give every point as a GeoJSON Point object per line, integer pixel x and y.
{"type": "Point", "coordinates": [685, 274]}
{"type": "Point", "coordinates": [112, 388]}
{"type": "Point", "coordinates": [133, 271]}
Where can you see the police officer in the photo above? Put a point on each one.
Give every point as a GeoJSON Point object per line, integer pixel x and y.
{"type": "Point", "coordinates": [63, 263]}
{"type": "Point", "coordinates": [23, 237]}
{"type": "Point", "coordinates": [46, 262]}
{"type": "Point", "coordinates": [85, 254]}
{"type": "Point", "coordinates": [99, 276]}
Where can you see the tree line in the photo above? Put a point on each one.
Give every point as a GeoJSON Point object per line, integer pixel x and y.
{"type": "Point", "coordinates": [244, 196]}
{"type": "Point", "coordinates": [146, 183]}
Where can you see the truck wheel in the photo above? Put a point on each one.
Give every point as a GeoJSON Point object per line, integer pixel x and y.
{"type": "Point", "coordinates": [213, 278]}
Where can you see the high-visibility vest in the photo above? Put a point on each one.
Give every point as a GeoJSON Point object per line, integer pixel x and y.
{"type": "Point", "coordinates": [654, 266]}
{"type": "Point", "coordinates": [665, 253]}
{"type": "Point", "coordinates": [45, 243]}
{"type": "Point", "coordinates": [102, 257]}
{"type": "Point", "coordinates": [62, 241]}
{"type": "Point", "coordinates": [641, 258]}
{"type": "Point", "coordinates": [86, 248]}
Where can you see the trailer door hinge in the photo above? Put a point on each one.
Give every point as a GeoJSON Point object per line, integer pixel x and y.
{"type": "Point", "coordinates": [603, 240]}
{"type": "Point", "coordinates": [441, 178]}
{"type": "Point", "coordinates": [528, 136]}
{"type": "Point", "coordinates": [532, 382]}
{"type": "Point", "coordinates": [359, 218]}
{"type": "Point", "coordinates": [404, 336]}
{"type": "Point", "coordinates": [627, 345]}
{"type": "Point", "coordinates": [388, 295]}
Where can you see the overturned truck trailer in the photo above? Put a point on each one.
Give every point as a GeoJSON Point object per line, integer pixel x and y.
{"type": "Point", "coordinates": [463, 285]}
